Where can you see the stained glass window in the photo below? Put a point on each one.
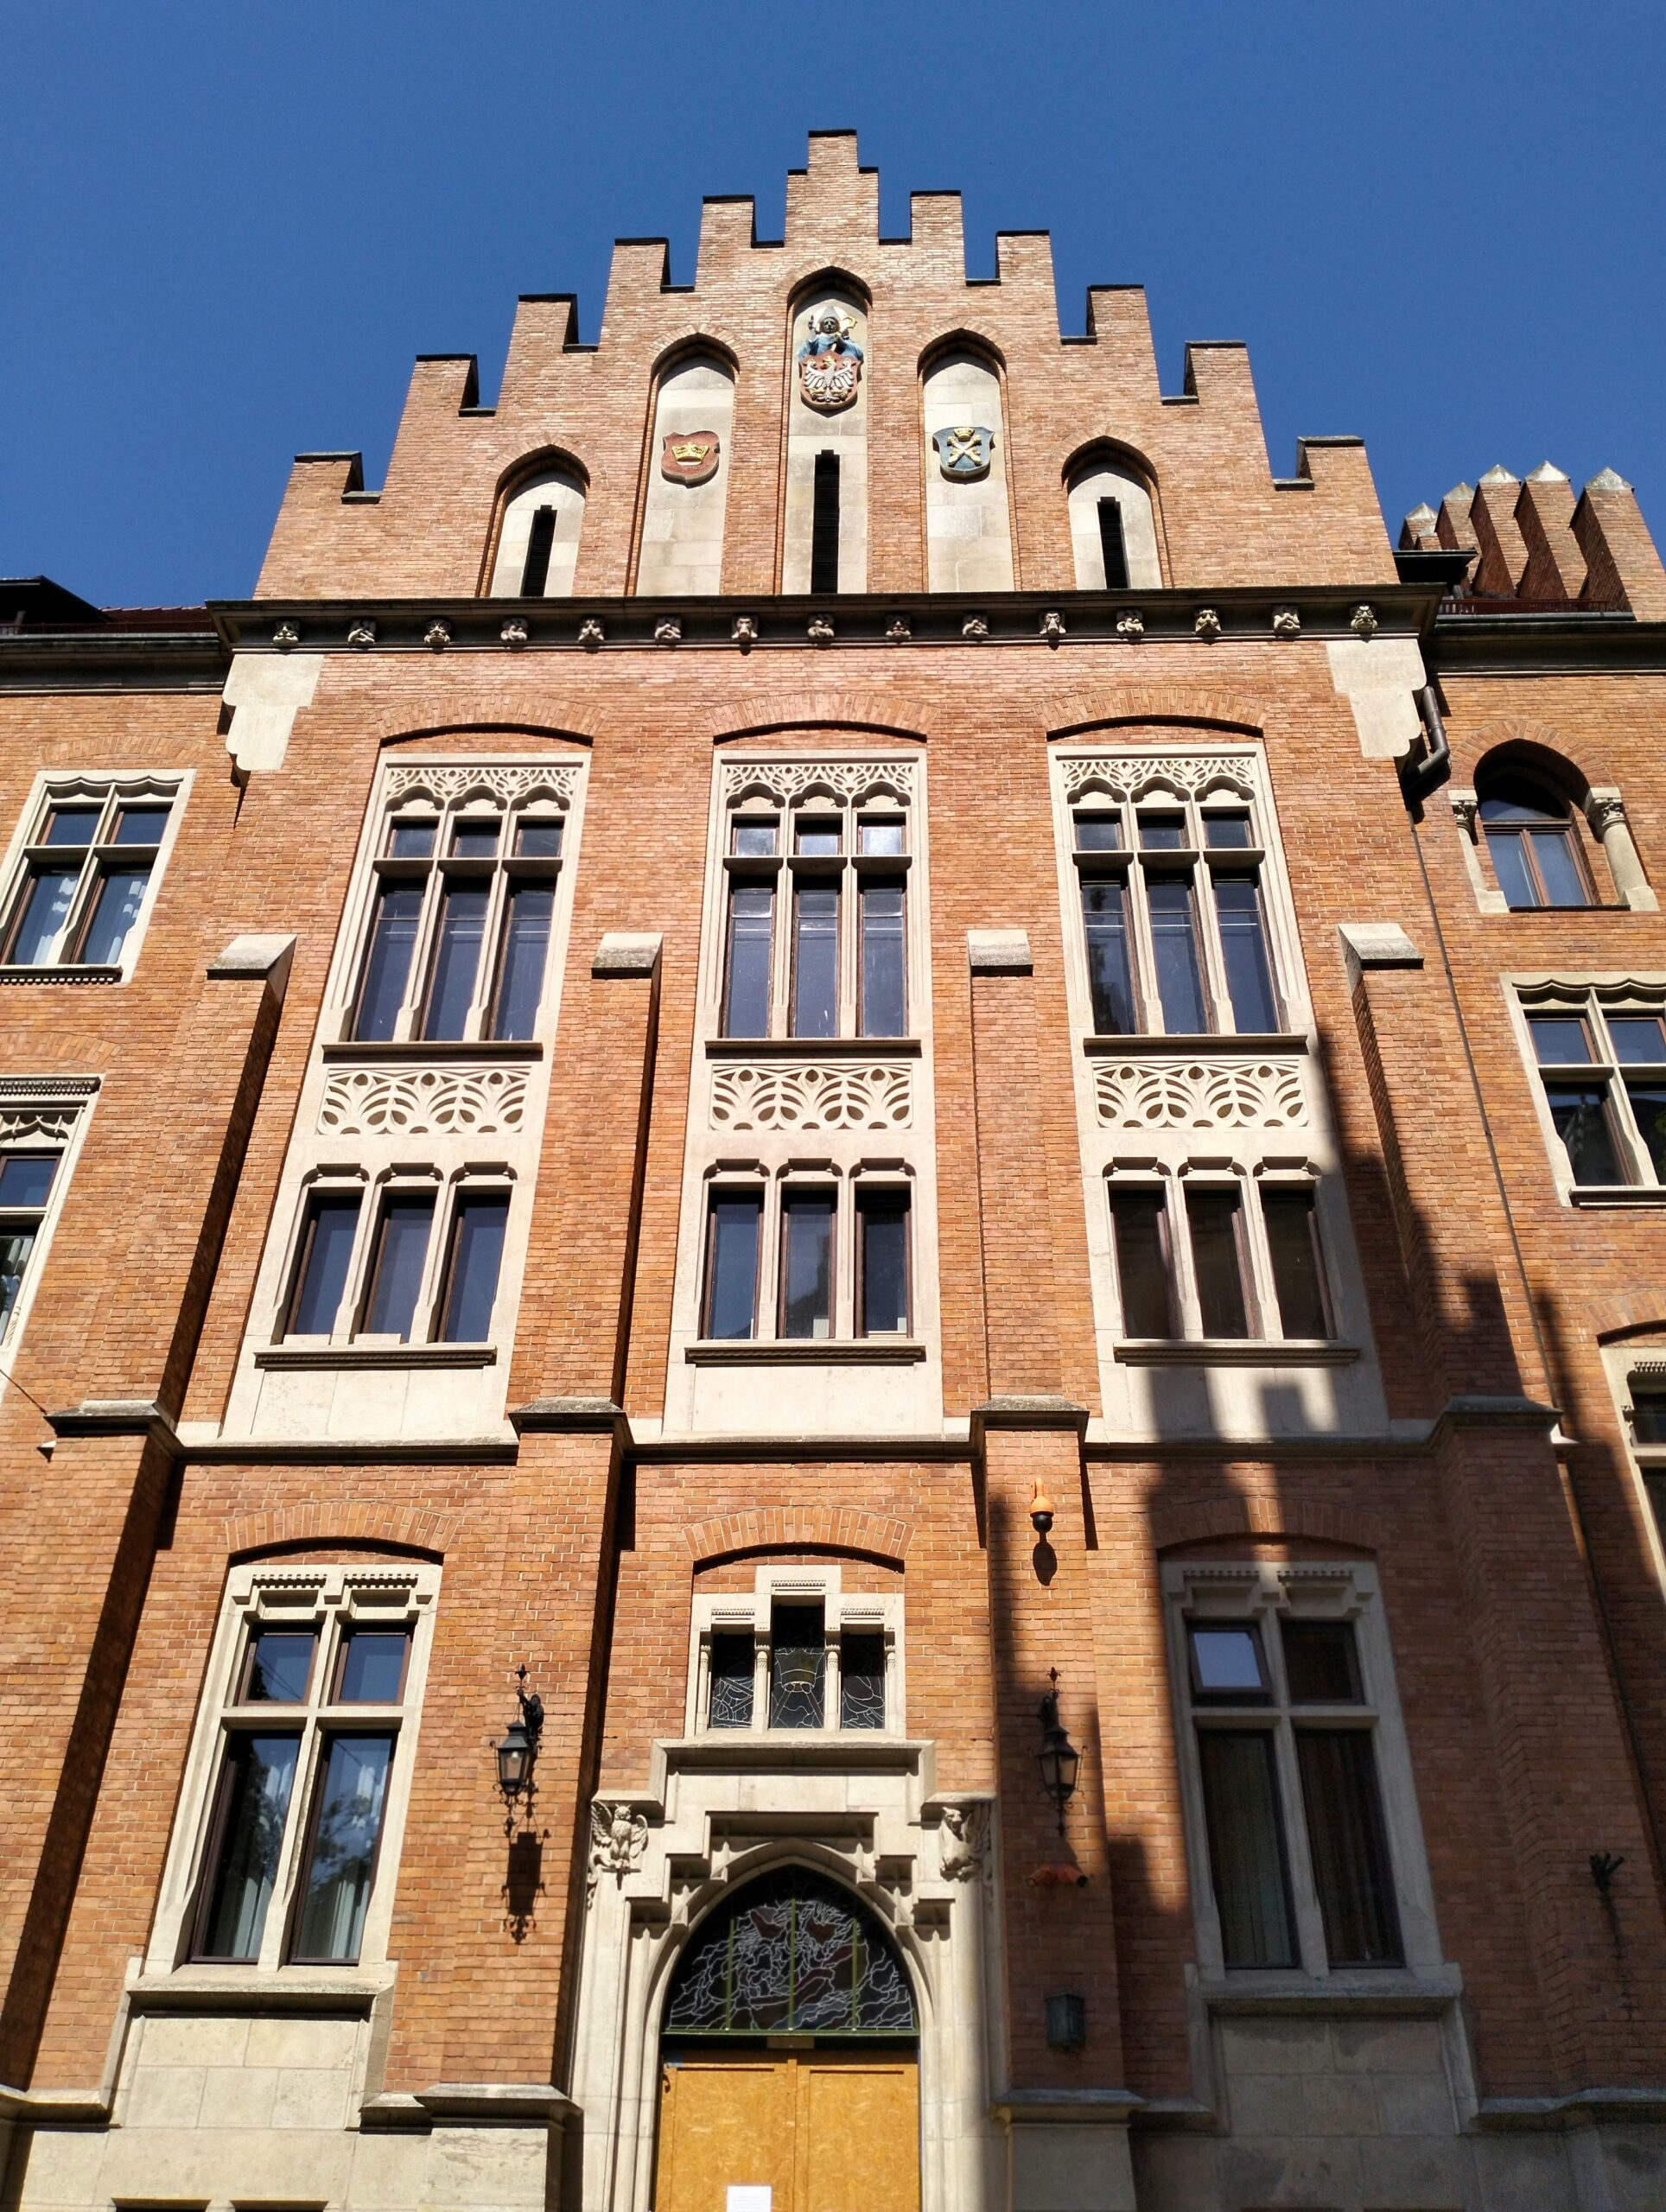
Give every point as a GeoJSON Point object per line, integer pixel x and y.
{"type": "Point", "coordinates": [798, 1667]}
{"type": "Point", "coordinates": [731, 1678]}
{"type": "Point", "coordinates": [861, 1678]}
{"type": "Point", "coordinates": [792, 1955]}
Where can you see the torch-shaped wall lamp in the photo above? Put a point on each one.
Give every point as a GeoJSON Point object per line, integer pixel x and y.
{"type": "Point", "coordinates": [518, 1753]}
{"type": "Point", "coordinates": [1058, 1758]}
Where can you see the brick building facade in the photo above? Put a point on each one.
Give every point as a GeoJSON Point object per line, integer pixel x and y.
{"type": "Point", "coordinates": [833, 1027]}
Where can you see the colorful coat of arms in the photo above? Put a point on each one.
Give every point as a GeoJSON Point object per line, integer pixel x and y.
{"type": "Point", "coordinates": [963, 453]}
{"type": "Point", "coordinates": [689, 456]}
{"type": "Point", "coordinates": [829, 361]}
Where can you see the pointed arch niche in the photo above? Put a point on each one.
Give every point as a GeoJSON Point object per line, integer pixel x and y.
{"type": "Point", "coordinates": [824, 530]}
{"type": "Point", "coordinates": [1113, 523]}
{"type": "Point", "coordinates": [674, 1866]}
{"type": "Point", "coordinates": [539, 534]}
{"type": "Point", "coordinates": [681, 554]}
{"type": "Point", "coordinates": [968, 543]}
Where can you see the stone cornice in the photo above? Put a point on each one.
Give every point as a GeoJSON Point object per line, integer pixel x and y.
{"type": "Point", "coordinates": [770, 623]}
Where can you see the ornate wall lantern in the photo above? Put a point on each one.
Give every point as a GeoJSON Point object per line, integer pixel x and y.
{"type": "Point", "coordinates": [1059, 1760]}
{"type": "Point", "coordinates": [518, 1753]}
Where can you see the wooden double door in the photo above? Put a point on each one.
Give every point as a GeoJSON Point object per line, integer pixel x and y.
{"type": "Point", "coordinates": [831, 2131]}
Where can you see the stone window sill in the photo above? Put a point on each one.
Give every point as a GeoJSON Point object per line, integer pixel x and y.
{"type": "Point", "coordinates": [1361, 1989]}
{"type": "Point", "coordinates": [237, 1989]}
{"type": "Point", "coordinates": [421, 1048]}
{"type": "Point", "coordinates": [1232, 1351]}
{"type": "Point", "coordinates": [323, 1356]}
{"type": "Point", "coordinates": [812, 1048]}
{"type": "Point", "coordinates": [814, 1351]}
{"type": "Point", "coordinates": [64, 974]}
{"type": "Point", "coordinates": [1199, 1045]}
{"type": "Point", "coordinates": [1618, 1194]}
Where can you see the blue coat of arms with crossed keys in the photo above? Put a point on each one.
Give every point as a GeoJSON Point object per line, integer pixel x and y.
{"type": "Point", "coordinates": [963, 453]}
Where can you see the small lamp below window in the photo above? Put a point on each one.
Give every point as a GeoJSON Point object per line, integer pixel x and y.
{"type": "Point", "coordinates": [1067, 2021]}
{"type": "Point", "coordinates": [518, 1753]}
{"type": "Point", "coordinates": [1059, 1760]}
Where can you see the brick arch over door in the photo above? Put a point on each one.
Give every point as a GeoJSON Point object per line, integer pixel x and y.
{"type": "Point", "coordinates": [800, 1527]}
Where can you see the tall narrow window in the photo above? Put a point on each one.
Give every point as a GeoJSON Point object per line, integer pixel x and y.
{"type": "Point", "coordinates": [861, 1678]}
{"type": "Point", "coordinates": [824, 526]}
{"type": "Point", "coordinates": [798, 1667]}
{"type": "Point", "coordinates": [396, 1277]}
{"type": "Point", "coordinates": [1143, 1274]}
{"type": "Point", "coordinates": [540, 538]}
{"type": "Point", "coordinates": [26, 1181]}
{"type": "Point", "coordinates": [1112, 545]}
{"type": "Point", "coordinates": [807, 1264]}
{"type": "Point", "coordinates": [252, 1807]}
{"type": "Point", "coordinates": [456, 959]}
{"type": "Point", "coordinates": [882, 1263]}
{"type": "Point", "coordinates": [1173, 909]}
{"type": "Point", "coordinates": [1293, 1249]}
{"type": "Point", "coordinates": [1216, 1218]}
{"type": "Point", "coordinates": [528, 913]}
{"type": "Point", "coordinates": [731, 1301]}
{"type": "Point", "coordinates": [346, 1826]}
{"type": "Point", "coordinates": [1243, 952]}
{"type": "Point", "coordinates": [883, 1008]}
{"type": "Point", "coordinates": [1246, 1847]}
{"type": "Point", "coordinates": [751, 939]}
{"type": "Point", "coordinates": [816, 960]}
{"type": "Point", "coordinates": [477, 1233]}
{"type": "Point", "coordinates": [327, 1239]}
{"type": "Point", "coordinates": [387, 970]}
{"type": "Point", "coordinates": [1111, 977]}
{"type": "Point", "coordinates": [729, 1703]}
{"type": "Point", "coordinates": [85, 876]}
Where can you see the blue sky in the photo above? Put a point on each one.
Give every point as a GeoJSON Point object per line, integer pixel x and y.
{"type": "Point", "coordinates": [227, 228]}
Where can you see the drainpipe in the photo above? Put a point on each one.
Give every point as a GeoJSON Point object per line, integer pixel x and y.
{"type": "Point", "coordinates": [1431, 768]}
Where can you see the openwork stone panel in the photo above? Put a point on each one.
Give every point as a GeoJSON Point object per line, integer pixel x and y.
{"type": "Point", "coordinates": [416, 1102]}
{"type": "Point", "coordinates": [857, 1096]}
{"type": "Point", "coordinates": [1127, 775]}
{"type": "Point", "coordinates": [1200, 1094]}
{"type": "Point", "coordinates": [852, 780]}
{"type": "Point", "coordinates": [504, 782]}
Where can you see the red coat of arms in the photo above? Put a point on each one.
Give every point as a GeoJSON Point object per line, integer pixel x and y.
{"type": "Point", "coordinates": [829, 361]}
{"type": "Point", "coordinates": [689, 456]}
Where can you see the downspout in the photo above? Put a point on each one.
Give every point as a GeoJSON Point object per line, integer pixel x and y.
{"type": "Point", "coordinates": [1423, 773]}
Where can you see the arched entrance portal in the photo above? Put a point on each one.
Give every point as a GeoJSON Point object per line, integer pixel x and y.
{"type": "Point", "coordinates": [788, 2076]}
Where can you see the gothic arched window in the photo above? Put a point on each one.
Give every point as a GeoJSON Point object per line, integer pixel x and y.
{"type": "Point", "coordinates": [1534, 843]}
{"type": "Point", "coordinates": [791, 1954]}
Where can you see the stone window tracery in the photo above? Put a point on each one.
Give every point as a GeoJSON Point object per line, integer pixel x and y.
{"type": "Point", "coordinates": [1598, 1051]}
{"type": "Point", "coordinates": [800, 1655]}
{"type": "Point", "coordinates": [386, 1297]}
{"type": "Point", "coordinates": [1301, 1817]}
{"type": "Point", "coordinates": [287, 1837]}
{"type": "Point", "coordinates": [82, 876]}
{"type": "Point", "coordinates": [808, 1195]}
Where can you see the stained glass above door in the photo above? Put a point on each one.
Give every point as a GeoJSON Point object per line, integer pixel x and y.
{"type": "Point", "coordinates": [791, 1954]}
